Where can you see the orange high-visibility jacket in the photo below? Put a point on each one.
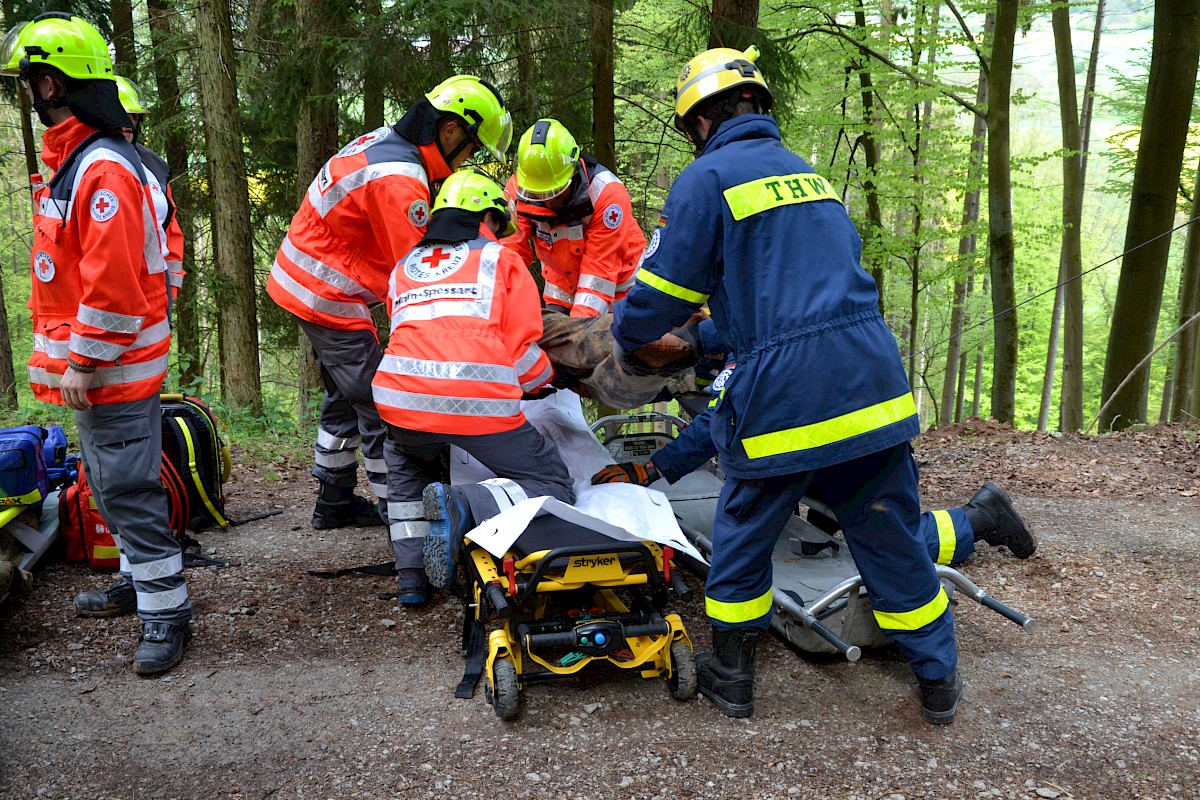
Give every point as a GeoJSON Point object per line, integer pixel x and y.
{"type": "Point", "coordinates": [589, 249]}
{"type": "Point", "coordinates": [463, 349]}
{"type": "Point", "coordinates": [365, 210]}
{"type": "Point", "coordinates": [158, 176]}
{"type": "Point", "coordinates": [99, 288]}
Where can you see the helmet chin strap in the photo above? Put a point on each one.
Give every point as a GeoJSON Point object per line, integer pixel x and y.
{"type": "Point", "coordinates": [43, 105]}
{"type": "Point", "coordinates": [469, 136]}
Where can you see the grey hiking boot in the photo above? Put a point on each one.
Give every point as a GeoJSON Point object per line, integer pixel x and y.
{"type": "Point", "coordinates": [116, 600]}
{"type": "Point", "coordinates": [161, 646]}
{"type": "Point", "coordinates": [939, 699]}
{"type": "Point", "coordinates": [996, 522]}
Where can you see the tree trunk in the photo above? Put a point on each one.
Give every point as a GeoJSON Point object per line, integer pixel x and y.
{"type": "Point", "coordinates": [870, 148]}
{"type": "Point", "coordinates": [122, 18]}
{"type": "Point", "coordinates": [1071, 254]}
{"type": "Point", "coordinates": [233, 242]}
{"type": "Point", "coordinates": [734, 23]}
{"type": "Point", "coordinates": [177, 151]}
{"type": "Point", "coordinates": [975, 409]}
{"type": "Point", "coordinates": [966, 250]}
{"type": "Point", "coordinates": [1000, 218]}
{"type": "Point", "coordinates": [372, 79]}
{"type": "Point", "coordinates": [316, 143]}
{"type": "Point", "coordinates": [1189, 304]}
{"type": "Point", "coordinates": [1169, 96]}
{"type": "Point", "coordinates": [600, 46]}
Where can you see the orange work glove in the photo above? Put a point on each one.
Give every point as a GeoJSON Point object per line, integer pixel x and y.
{"type": "Point", "coordinates": [628, 472]}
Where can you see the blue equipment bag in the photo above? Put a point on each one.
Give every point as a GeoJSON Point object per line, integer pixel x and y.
{"type": "Point", "coordinates": [23, 479]}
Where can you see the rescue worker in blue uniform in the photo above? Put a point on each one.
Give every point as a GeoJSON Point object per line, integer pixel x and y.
{"type": "Point", "coordinates": [819, 400]}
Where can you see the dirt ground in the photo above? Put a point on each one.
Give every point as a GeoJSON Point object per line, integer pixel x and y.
{"type": "Point", "coordinates": [297, 687]}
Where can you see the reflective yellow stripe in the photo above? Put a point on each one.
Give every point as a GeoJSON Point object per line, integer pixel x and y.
{"type": "Point", "coordinates": [914, 620]}
{"type": "Point", "coordinates": [747, 199]}
{"type": "Point", "coordinates": [837, 429]}
{"type": "Point", "coordinates": [947, 541]}
{"type": "Point", "coordinates": [673, 289]}
{"type": "Point", "coordinates": [194, 473]}
{"type": "Point", "coordinates": [105, 552]}
{"type": "Point", "coordinates": [733, 613]}
{"type": "Point", "coordinates": [27, 499]}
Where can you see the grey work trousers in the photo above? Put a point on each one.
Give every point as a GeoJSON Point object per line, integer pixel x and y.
{"type": "Point", "coordinates": [122, 456]}
{"type": "Point", "coordinates": [349, 419]}
{"type": "Point", "coordinates": [525, 462]}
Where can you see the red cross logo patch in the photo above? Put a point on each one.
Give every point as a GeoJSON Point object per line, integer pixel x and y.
{"type": "Point", "coordinates": [435, 262]}
{"type": "Point", "coordinates": [104, 205]}
{"type": "Point", "coordinates": [613, 216]}
{"type": "Point", "coordinates": [418, 213]}
{"type": "Point", "coordinates": [363, 142]}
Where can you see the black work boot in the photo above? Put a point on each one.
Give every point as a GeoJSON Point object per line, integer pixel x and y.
{"type": "Point", "coordinates": [413, 588]}
{"type": "Point", "coordinates": [726, 675]}
{"type": "Point", "coordinates": [347, 511]}
{"type": "Point", "coordinates": [996, 522]}
{"type": "Point", "coordinates": [161, 646]}
{"type": "Point", "coordinates": [939, 699]}
{"type": "Point", "coordinates": [116, 600]}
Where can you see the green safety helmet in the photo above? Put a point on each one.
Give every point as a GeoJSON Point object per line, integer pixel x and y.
{"type": "Point", "coordinates": [131, 96]}
{"type": "Point", "coordinates": [471, 190]}
{"type": "Point", "coordinates": [68, 43]}
{"type": "Point", "coordinates": [547, 158]}
{"type": "Point", "coordinates": [479, 103]}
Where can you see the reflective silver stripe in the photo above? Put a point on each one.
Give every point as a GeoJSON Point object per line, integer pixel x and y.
{"type": "Point", "coordinates": [154, 243]}
{"type": "Point", "coordinates": [49, 207]}
{"type": "Point", "coordinates": [627, 284]}
{"type": "Point", "coordinates": [330, 442]}
{"type": "Point", "coordinates": [572, 233]}
{"type": "Point", "coordinates": [109, 321]}
{"type": "Point", "coordinates": [340, 458]}
{"type": "Point", "coordinates": [505, 491]}
{"type": "Point", "coordinates": [552, 292]}
{"type": "Point", "coordinates": [480, 307]}
{"type": "Point", "coordinates": [538, 379]}
{"type": "Point", "coordinates": [597, 184]}
{"type": "Point", "coordinates": [325, 273]}
{"type": "Point", "coordinates": [699, 76]}
{"type": "Point", "coordinates": [51, 347]}
{"type": "Point", "coordinates": [529, 360]}
{"type": "Point", "coordinates": [324, 203]}
{"type": "Point", "coordinates": [314, 301]}
{"type": "Point", "coordinates": [596, 284]}
{"type": "Point", "coordinates": [412, 529]}
{"type": "Point", "coordinates": [123, 562]}
{"type": "Point", "coordinates": [107, 376]}
{"type": "Point", "coordinates": [95, 348]}
{"type": "Point", "coordinates": [448, 370]}
{"type": "Point", "coordinates": [411, 509]}
{"type": "Point", "coordinates": [379, 490]}
{"type": "Point", "coordinates": [157, 570]}
{"type": "Point", "coordinates": [595, 302]}
{"type": "Point", "coordinates": [162, 601]}
{"type": "Point", "coordinates": [375, 465]}
{"type": "Point", "coordinates": [453, 406]}
{"type": "Point", "coordinates": [176, 277]}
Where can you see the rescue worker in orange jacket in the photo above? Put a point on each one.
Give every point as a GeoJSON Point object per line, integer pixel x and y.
{"type": "Point", "coordinates": [580, 218]}
{"type": "Point", "coordinates": [159, 175]}
{"type": "Point", "coordinates": [364, 211]}
{"type": "Point", "coordinates": [463, 352]}
{"type": "Point", "coordinates": [99, 309]}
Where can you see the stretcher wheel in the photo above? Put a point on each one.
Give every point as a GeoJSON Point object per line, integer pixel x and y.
{"type": "Point", "coordinates": [504, 693]}
{"type": "Point", "coordinates": [682, 682]}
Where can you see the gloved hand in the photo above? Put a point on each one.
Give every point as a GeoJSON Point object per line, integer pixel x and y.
{"type": "Point", "coordinates": [628, 472]}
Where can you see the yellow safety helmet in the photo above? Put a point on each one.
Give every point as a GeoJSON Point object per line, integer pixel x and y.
{"type": "Point", "coordinates": [713, 72]}
{"type": "Point", "coordinates": [479, 103]}
{"type": "Point", "coordinates": [68, 43]}
{"type": "Point", "coordinates": [547, 158]}
{"type": "Point", "coordinates": [471, 190]}
{"type": "Point", "coordinates": [131, 96]}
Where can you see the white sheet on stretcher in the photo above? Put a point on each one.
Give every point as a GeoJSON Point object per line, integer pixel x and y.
{"type": "Point", "coordinates": [622, 511]}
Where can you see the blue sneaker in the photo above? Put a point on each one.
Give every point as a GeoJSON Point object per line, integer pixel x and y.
{"type": "Point", "coordinates": [449, 520]}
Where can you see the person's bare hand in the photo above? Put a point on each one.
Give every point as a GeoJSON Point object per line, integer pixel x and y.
{"type": "Point", "coordinates": [74, 388]}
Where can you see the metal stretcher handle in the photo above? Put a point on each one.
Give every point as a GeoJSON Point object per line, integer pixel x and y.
{"type": "Point", "coordinates": [680, 588]}
{"type": "Point", "coordinates": [567, 638]}
{"type": "Point", "coordinates": [850, 651]}
{"type": "Point", "coordinates": [967, 587]}
{"type": "Point", "coordinates": [499, 601]}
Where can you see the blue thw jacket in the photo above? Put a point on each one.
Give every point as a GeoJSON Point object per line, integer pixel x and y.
{"type": "Point", "coordinates": [752, 231]}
